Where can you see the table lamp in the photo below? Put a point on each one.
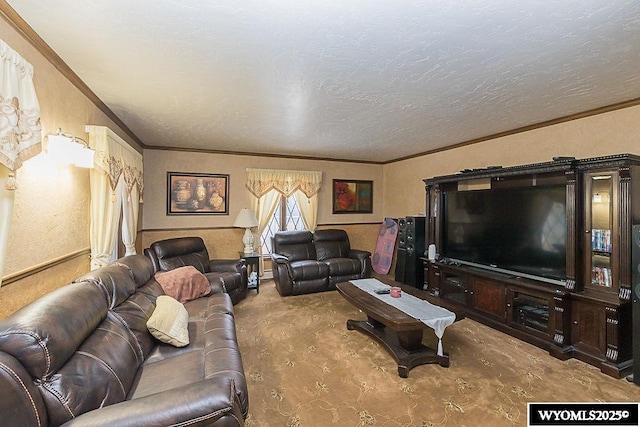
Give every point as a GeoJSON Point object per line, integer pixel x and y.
{"type": "Point", "coordinates": [246, 219]}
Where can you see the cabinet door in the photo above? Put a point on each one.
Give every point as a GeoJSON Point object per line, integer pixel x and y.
{"type": "Point", "coordinates": [588, 332]}
{"type": "Point", "coordinates": [425, 273]}
{"type": "Point", "coordinates": [432, 278]}
{"type": "Point", "coordinates": [489, 298]}
{"type": "Point", "coordinates": [601, 223]}
{"type": "Point", "coordinates": [453, 286]}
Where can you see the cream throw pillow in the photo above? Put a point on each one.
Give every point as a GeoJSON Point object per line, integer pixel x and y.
{"type": "Point", "coordinates": [169, 322]}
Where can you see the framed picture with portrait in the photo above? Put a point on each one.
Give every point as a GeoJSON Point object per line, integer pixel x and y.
{"type": "Point", "coordinates": [197, 194]}
{"type": "Point", "coordinates": [352, 196]}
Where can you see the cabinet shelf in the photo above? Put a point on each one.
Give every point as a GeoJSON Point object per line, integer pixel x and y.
{"type": "Point", "coordinates": [530, 311]}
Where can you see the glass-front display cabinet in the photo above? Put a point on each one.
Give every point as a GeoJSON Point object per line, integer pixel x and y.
{"type": "Point", "coordinates": [601, 221]}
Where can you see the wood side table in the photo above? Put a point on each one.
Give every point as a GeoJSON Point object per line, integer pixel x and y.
{"type": "Point", "coordinates": [253, 265]}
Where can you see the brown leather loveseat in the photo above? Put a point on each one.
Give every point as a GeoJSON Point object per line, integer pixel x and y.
{"type": "Point", "coordinates": [82, 355]}
{"type": "Point", "coordinates": [306, 262]}
{"type": "Point", "coordinates": [180, 251]}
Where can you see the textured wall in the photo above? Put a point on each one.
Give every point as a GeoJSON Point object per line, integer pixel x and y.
{"type": "Point", "coordinates": [22, 292]}
{"type": "Point", "coordinates": [220, 242]}
{"type": "Point", "coordinates": [609, 133]}
{"type": "Point", "coordinates": [158, 162]}
{"type": "Point", "coordinates": [51, 212]}
{"type": "Point", "coordinates": [227, 242]}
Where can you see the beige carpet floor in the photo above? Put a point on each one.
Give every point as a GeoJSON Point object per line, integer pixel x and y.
{"type": "Point", "coordinates": [304, 369]}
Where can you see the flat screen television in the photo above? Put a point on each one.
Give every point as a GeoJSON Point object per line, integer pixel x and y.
{"type": "Point", "coordinates": [520, 231]}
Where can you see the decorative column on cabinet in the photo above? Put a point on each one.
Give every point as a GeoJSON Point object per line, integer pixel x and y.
{"type": "Point", "coordinates": [433, 229]}
{"type": "Point", "coordinates": [574, 252]}
{"type": "Point", "coordinates": [561, 321]}
{"type": "Point", "coordinates": [626, 226]}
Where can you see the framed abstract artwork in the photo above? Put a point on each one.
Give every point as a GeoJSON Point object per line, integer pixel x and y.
{"type": "Point", "coordinates": [197, 194]}
{"type": "Point", "coordinates": [352, 196]}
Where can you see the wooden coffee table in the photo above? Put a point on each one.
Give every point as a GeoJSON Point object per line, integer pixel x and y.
{"type": "Point", "coordinates": [398, 332]}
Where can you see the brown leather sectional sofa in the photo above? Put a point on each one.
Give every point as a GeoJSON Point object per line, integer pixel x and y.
{"type": "Point", "coordinates": [306, 262]}
{"type": "Point", "coordinates": [82, 355]}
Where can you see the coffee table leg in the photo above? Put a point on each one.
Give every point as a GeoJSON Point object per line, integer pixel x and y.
{"type": "Point", "coordinates": [351, 324]}
{"type": "Point", "coordinates": [374, 323]}
{"type": "Point", "coordinates": [405, 346]}
{"type": "Point", "coordinates": [410, 340]}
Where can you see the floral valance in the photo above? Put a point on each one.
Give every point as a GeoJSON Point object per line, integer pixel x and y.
{"type": "Point", "coordinates": [20, 129]}
{"type": "Point", "coordinates": [261, 181]}
{"type": "Point", "coordinates": [116, 159]}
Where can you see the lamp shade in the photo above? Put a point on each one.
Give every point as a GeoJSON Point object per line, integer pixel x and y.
{"type": "Point", "coordinates": [245, 219]}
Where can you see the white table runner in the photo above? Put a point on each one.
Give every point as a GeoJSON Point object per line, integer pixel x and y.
{"type": "Point", "coordinates": [437, 318]}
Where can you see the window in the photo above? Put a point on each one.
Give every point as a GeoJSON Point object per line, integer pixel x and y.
{"type": "Point", "coordinates": [286, 216]}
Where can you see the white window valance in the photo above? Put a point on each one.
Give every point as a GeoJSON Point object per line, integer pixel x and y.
{"type": "Point", "coordinates": [286, 182]}
{"type": "Point", "coordinates": [20, 132]}
{"type": "Point", "coordinates": [115, 158]}
{"type": "Point", "coordinates": [20, 128]}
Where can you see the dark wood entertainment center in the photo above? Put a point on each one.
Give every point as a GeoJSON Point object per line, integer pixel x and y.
{"type": "Point", "coordinates": [588, 314]}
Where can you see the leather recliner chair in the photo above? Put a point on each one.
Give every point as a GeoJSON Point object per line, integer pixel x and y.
{"type": "Point", "coordinates": [231, 274]}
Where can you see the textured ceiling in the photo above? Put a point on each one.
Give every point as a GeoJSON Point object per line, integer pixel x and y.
{"type": "Point", "coordinates": [372, 80]}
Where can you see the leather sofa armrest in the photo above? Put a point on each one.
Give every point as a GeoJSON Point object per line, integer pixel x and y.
{"type": "Point", "coordinates": [282, 262]}
{"type": "Point", "coordinates": [365, 261]}
{"type": "Point", "coordinates": [226, 265]}
{"type": "Point", "coordinates": [20, 401]}
{"type": "Point", "coordinates": [217, 287]}
{"type": "Point", "coordinates": [280, 259]}
{"type": "Point", "coordinates": [359, 254]}
{"type": "Point", "coordinates": [204, 401]}
{"type": "Point", "coordinates": [154, 259]}
{"type": "Point", "coordinates": [282, 274]}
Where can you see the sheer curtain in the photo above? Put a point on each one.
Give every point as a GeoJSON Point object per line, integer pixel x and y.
{"type": "Point", "coordinates": [20, 131]}
{"type": "Point", "coordinates": [116, 188]}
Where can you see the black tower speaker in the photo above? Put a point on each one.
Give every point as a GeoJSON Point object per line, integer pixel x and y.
{"type": "Point", "coordinates": [401, 254]}
{"type": "Point", "coordinates": [411, 245]}
{"type": "Point", "coordinates": [635, 297]}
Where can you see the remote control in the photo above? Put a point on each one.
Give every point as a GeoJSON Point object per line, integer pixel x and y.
{"type": "Point", "coordinates": [382, 291]}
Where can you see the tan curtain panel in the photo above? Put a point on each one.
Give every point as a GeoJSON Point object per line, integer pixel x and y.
{"type": "Point", "coordinates": [286, 182]}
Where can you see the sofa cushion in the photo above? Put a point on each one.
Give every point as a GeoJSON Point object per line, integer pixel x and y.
{"type": "Point", "coordinates": [116, 280]}
{"type": "Point", "coordinates": [165, 374]}
{"type": "Point", "coordinates": [169, 322]}
{"type": "Point", "coordinates": [140, 266]}
{"type": "Point", "coordinates": [308, 269]}
{"type": "Point", "coordinates": [106, 364]}
{"type": "Point", "coordinates": [184, 283]}
{"type": "Point", "coordinates": [343, 266]}
{"type": "Point", "coordinates": [295, 245]}
{"type": "Point", "coordinates": [331, 244]}
{"type": "Point", "coordinates": [44, 334]}
{"type": "Point", "coordinates": [181, 251]}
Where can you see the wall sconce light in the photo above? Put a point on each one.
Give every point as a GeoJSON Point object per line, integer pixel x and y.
{"type": "Point", "coordinates": [68, 149]}
{"type": "Point", "coordinates": [246, 219]}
